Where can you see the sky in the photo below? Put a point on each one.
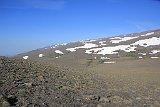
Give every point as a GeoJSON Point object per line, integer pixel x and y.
{"type": "Point", "coordinates": [26, 25]}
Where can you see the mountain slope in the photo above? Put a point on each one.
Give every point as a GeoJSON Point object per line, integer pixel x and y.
{"type": "Point", "coordinates": [138, 45]}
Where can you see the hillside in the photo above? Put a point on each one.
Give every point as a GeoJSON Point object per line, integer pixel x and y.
{"type": "Point", "coordinates": [120, 71]}
{"type": "Point", "coordinates": [138, 45]}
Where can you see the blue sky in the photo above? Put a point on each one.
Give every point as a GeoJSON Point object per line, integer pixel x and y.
{"type": "Point", "coordinates": [30, 24]}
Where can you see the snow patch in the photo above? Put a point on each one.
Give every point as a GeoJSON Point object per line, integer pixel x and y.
{"type": "Point", "coordinates": [102, 43]}
{"type": "Point", "coordinates": [105, 58]}
{"type": "Point", "coordinates": [151, 33]}
{"type": "Point", "coordinates": [59, 52]}
{"type": "Point", "coordinates": [148, 42]}
{"type": "Point", "coordinates": [123, 39]}
{"type": "Point", "coordinates": [142, 54]}
{"type": "Point", "coordinates": [71, 49]}
{"type": "Point", "coordinates": [25, 57]}
{"type": "Point", "coordinates": [116, 38]}
{"type": "Point", "coordinates": [110, 50]}
{"type": "Point", "coordinates": [140, 57]}
{"type": "Point", "coordinates": [57, 45]}
{"type": "Point", "coordinates": [86, 46]}
{"type": "Point", "coordinates": [154, 51]}
{"type": "Point", "coordinates": [40, 55]}
{"type": "Point", "coordinates": [154, 57]}
{"type": "Point", "coordinates": [111, 62]}
{"type": "Point", "coordinates": [57, 57]}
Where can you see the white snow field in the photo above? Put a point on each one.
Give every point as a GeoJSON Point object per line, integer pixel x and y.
{"type": "Point", "coordinates": [123, 39]}
{"type": "Point", "coordinates": [154, 57]}
{"type": "Point", "coordinates": [148, 42]}
{"type": "Point", "coordinates": [40, 55]}
{"type": "Point", "coordinates": [59, 52]}
{"type": "Point", "coordinates": [110, 50]}
{"type": "Point", "coordinates": [25, 57]}
{"type": "Point", "coordinates": [142, 54]}
{"type": "Point", "coordinates": [111, 62]}
{"type": "Point", "coordinates": [151, 33]}
{"type": "Point", "coordinates": [155, 51]}
{"type": "Point", "coordinates": [86, 46]}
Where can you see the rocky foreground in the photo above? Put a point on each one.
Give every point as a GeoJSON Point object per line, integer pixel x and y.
{"type": "Point", "coordinates": [31, 84]}
{"type": "Point", "coordinates": [24, 83]}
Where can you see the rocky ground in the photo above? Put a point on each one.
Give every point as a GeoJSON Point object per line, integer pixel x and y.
{"type": "Point", "coordinates": [24, 83]}
{"type": "Point", "coordinates": [122, 71]}
{"type": "Point", "coordinates": [31, 84]}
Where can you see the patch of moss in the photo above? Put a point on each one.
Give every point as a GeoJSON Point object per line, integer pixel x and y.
{"type": "Point", "coordinates": [101, 61]}
{"type": "Point", "coordinates": [116, 100]}
{"type": "Point", "coordinates": [127, 102]}
{"type": "Point", "coordinates": [89, 62]}
{"type": "Point", "coordinates": [4, 103]}
{"type": "Point", "coordinates": [131, 54]}
{"type": "Point", "coordinates": [1, 82]}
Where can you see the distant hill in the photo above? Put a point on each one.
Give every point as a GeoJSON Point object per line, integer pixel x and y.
{"type": "Point", "coordinates": [139, 45]}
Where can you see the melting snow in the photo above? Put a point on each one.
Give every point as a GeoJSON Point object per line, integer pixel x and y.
{"type": "Point", "coordinates": [86, 46]}
{"type": "Point", "coordinates": [112, 62]}
{"type": "Point", "coordinates": [154, 51]}
{"type": "Point", "coordinates": [105, 58]}
{"type": "Point", "coordinates": [25, 57]}
{"type": "Point", "coordinates": [148, 42]}
{"type": "Point", "coordinates": [102, 43]}
{"type": "Point", "coordinates": [114, 49]}
{"type": "Point", "coordinates": [64, 44]}
{"type": "Point", "coordinates": [111, 50]}
{"type": "Point", "coordinates": [53, 47]}
{"type": "Point", "coordinates": [40, 55]}
{"type": "Point", "coordinates": [71, 49]}
{"type": "Point", "coordinates": [154, 57]}
{"type": "Point", "coordinates": [56, 45]}
{"type": "Point", "coordinates": [123, 39]}
{"type": "Point", "coordinates": [142, 54]}
{"type": "Point", "coordinates": [140, 57]}
{"type": "Point", "coordinates": [151, 33]}
{"type": "Point", "coordinates": [59, 52]}
{"type": "Point", "coordinates": [116, 38]}
{"type": "Point", "coordinates": [88, 41]}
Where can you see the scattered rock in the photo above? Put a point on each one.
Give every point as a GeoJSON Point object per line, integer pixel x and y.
{"type": "Point", "coordinates": [28, 84]}
{"type": "Point", "coordinates": [104, 100]}
{"type": "Point", "coordinates": [138, 98]}
{"type": "Point", "coordinates": [91, 97]}
{"type": "Point", "coordinates": [5, 104]}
